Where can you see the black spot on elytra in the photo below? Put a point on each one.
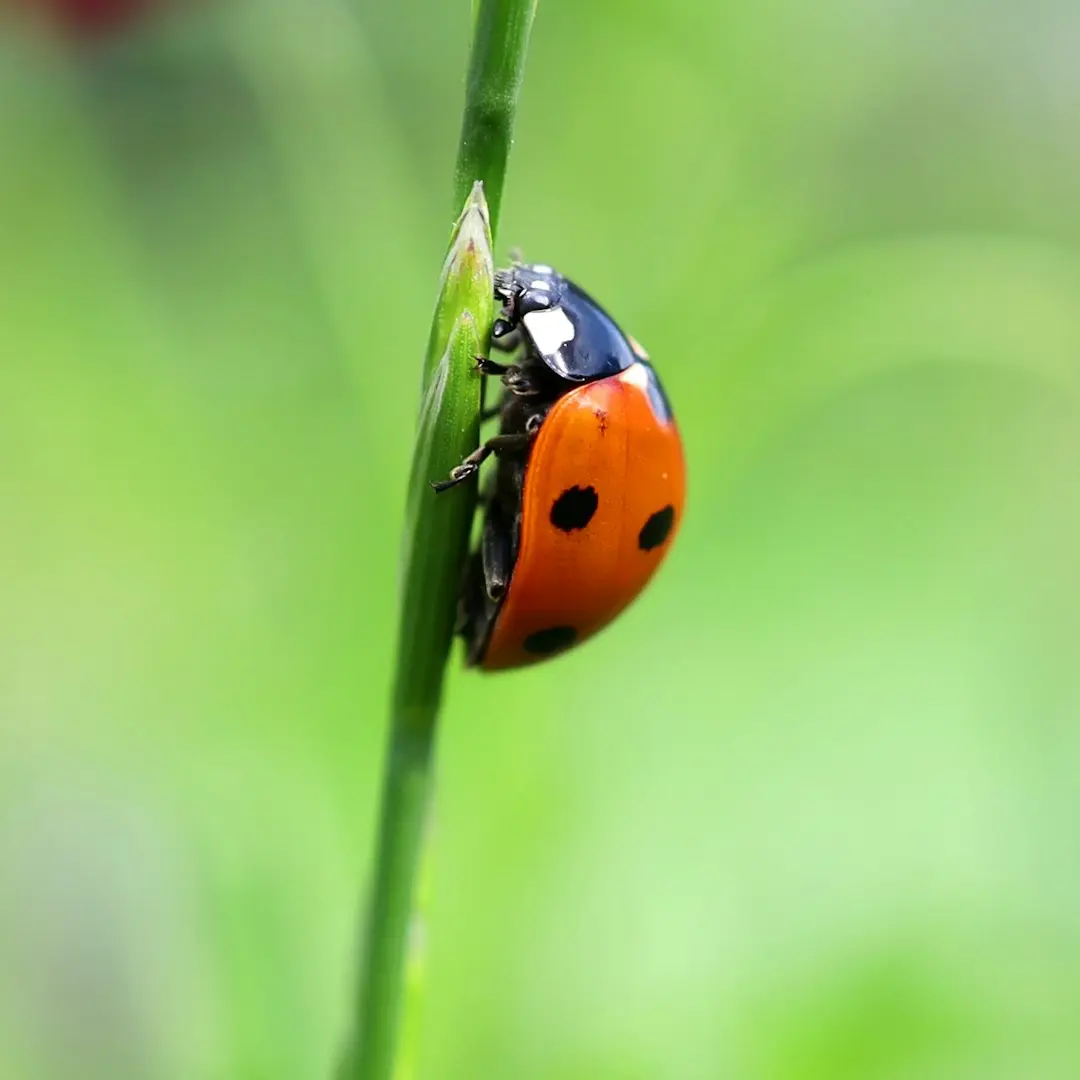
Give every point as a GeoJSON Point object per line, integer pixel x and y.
{"type": "Point", "coordinates": [574, 508]}
{"type": "Point", "coordinates": [552, 640]}
{"type": "Point", "coordinates": [656, 530]}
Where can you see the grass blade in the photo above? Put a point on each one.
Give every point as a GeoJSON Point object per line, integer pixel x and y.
{"type": "Point", "coordinates": [437, 536]}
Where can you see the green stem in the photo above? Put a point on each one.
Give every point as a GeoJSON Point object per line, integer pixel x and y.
{"type": "Point", "coordinates": [437, 534]}
{"type": "Point", "coordinates": [406, 796]}
{"type": "Point", "coordinates": [500, 39]}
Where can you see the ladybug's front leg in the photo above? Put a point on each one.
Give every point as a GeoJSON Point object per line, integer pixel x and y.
{"type": "Point", "coordinates": [505, 335]}
{"type": "Point", "coordinates": [490, 367]}
{"type": "Point", "coordinates": [497, 444]}
{"type": "Point", "coordinates": [516, 379]}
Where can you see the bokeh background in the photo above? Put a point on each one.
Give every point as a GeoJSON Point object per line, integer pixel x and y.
{"type": "Point", "coordinates": [810, 809]}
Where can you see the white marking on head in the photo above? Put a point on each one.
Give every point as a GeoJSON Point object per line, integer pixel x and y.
{"type": "Point", "coordinates": [540, 268]}
{"type": "Point", "coordinates": [540, 283]}
{"type": "Point", "coordinates": [550, 329]}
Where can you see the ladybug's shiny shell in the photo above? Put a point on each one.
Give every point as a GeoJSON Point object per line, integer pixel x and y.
{"type": "Point", "coordinates": [603, 497]}
{"type": "Point", "coordinates": [578, 521]}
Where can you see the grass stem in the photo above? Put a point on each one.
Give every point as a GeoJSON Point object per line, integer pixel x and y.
{"type": "Point", "coordinates": [436, 537]}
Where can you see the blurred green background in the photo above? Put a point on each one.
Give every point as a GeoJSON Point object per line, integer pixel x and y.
{"type": "Point", "coordinates": [810, 809]}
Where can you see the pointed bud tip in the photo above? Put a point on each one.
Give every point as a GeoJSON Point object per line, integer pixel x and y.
{"type": "Point", "coordinates": [466, 294]}
{"type": "Point", "coordinates": [471, 245]}
{"type": "Point", "coordinates": [476, 206]}
{"type": "Point", "coordinates": [477, 197]}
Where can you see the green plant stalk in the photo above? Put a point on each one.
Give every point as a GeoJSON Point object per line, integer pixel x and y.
{"type": "Point", "coordinates": [496, 66]}
{"type": "Point", "coordinates": [436, 540]}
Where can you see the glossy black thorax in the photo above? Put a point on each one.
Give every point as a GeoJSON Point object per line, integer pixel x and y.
{"type": "Point", "coordinates": [560, 324]}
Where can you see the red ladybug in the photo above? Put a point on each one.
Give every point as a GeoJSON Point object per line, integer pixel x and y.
{"type": "Point", "coordinates": [590, 484]}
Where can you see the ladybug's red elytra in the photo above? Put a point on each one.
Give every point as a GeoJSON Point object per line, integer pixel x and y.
{"type": "Point", "coordinates": [590, 482]}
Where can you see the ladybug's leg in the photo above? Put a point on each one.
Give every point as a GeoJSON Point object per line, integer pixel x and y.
{"type": "Point", "coordinates": [515, 378]}
{"type": "Point", "coordinates": [474, 616]}
{"type": "Point", "coordinates": [490, 367]}
{"type": "Point", "coordinates": [505, 335]}
{"type": "Point", "coordinates": [520, 382]}
{"type": "Point", "coordinates": [497, 444]}
{"type": "Point", "coordinates": [476, 612]}
{"type": "Point", "coordinates": [495, 552]}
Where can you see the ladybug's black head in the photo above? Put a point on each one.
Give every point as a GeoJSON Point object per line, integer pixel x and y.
{"type": "Point", "coordinates": [561, 324]}
{"type": "Point", "coordinates": [524, 289]}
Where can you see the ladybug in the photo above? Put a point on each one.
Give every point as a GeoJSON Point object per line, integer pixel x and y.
{"type": "Point", "coordinates": [590, 482]}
